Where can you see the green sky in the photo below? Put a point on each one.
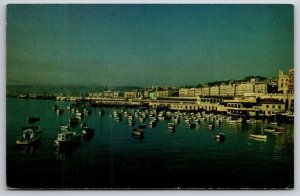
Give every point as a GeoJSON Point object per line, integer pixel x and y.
{"type": "Point", "coordinates": [146, 45]}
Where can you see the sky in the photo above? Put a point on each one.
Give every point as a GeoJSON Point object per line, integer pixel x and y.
{"type": "Point", "coordinates": [144, 45]}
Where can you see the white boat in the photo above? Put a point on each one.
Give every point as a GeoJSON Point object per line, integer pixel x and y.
{"type": "Point", "coordinates": [137, 132]}
{"type": "Point", "coordinates": [30, 135]}
{"type": "Point", "coordinates": [240, 120]}
{"type": "Point", "coordinates": [269, 129]}
{"type": "Point", "coordinates": [259, 136]}
{"type": "Point", "coordinates": [67, 139]}
{"type": "Point", "coordinates": [273, 124]}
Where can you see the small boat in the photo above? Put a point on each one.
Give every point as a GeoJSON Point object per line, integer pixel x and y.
{"type": "Point", "coordinates": [211, 126]}
{"type": "Point", "coordinates": [192, 125]}
{"type": "Point", "coordinates": [220, 137]}
{"type": "Point", "coordinates": [274, 124]}
{"type": "Point", "coordinates": [59, 111]}
{"type": "Point", "coordinates": [131, 122]}
{"type": "Point", "coordinates": [137, 132]}
{"type": "Point", "coordinates": [32, 119]}
{"type": "Point", "coordinates": [30, 135]}
{"type": "Point", "coordinates": [281, 129]}
{"type": "Point", "coordinates": [269, 129]}
{"type": "Point", "coordinates": [277, 133]}
{"type": "Point", "coordinates": [87, 132]}
{"type": "Point", "coordinates": [152, 124]}
{"type": "Point", "coordinates": [259, 136]}
{"type": "Point", "coordinates": [64, 127]}
{"type": "Point", "coordinates": [240, 120]}
{"type": "Point", "coordinates": [171, 128]}
{"type": "Point", "coordinates": [67, 139]}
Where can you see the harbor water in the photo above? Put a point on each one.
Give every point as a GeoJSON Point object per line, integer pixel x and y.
{"type": "Point", "coordinates": [187, 158]}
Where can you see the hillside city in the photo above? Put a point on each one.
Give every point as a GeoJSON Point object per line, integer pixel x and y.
{"type": "Point", "coordinates": [250, 97]}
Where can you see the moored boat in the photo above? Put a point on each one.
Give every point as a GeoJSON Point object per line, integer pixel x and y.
{"type": "Point", "coordinates": [269, 129]}
{"type": "Point", "coordinates": [220, 137]}
{"type": "Point", "coordinates": [281, 129]}
{"type": "Point", "coordinates": [67, 139]}
{"type": "Point", "coordinates": [138, 132]}
{"type": "Point", "coordinates": [30, 135]}
{"type": "Point", "coordinates": [259, 136]}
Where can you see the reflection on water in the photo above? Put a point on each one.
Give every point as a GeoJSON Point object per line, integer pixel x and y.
{"type": "Point", "coordinates": [25, 149]}
{"type": "Point", "coordinates": [64, 153]}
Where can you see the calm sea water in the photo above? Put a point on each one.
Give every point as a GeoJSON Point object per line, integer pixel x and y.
{"type": "Point", "coordinates": [187, 158]}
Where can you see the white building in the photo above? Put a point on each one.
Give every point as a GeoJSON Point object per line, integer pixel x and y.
{"type": "Point", "coordinates": [283, 82]}
{"type": "Point", "coordinates": [261, 88]}
{"type": "Point", "coordinates": [198, 92]}
{"type": "Point", "coordinates": [227, 90]}
{"type": "Point", "coordinates": [183, 92]}
{"type": "Point", "coordinates": [244, 88]}
{"type": "Point", "coordinates": [214, 91]}
{"type": "Point", "coordinates": [205, 91]}
{"type": "Point", "coordinates": [191, 92]}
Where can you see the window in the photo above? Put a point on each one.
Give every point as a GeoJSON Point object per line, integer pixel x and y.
{"type": "Point", "coordinates": [273, 106]}
{"type": "Point", "coordinates": [267, 106]}
{"type": "Point", "coordinates": [281, 85]}
{"type": "Point", "coordinates": [279, 106]}
{"type": "Point", "coordinates": [281, 80]}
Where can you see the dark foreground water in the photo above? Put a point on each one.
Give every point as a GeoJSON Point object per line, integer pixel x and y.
{"type": "Point", "coordinates": [187, 158]}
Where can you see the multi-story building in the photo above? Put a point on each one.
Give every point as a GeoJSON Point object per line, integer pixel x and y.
{"type": "Point", "coordinates": [183, 92]}
{"type": "Point", "coordinates": [212, 103]}
{"type": "Point", "coordinates": [283, 82]}
{"type": "Point", "coordinates": [261, 88]}
{"type": "Point", "coordinates": [227, 90]}
{"type": "Point", "coordinates": [191, 92]}
{"type": "Point", "coordinates": [205, 91]}
{"type": "Point", "coordinates": [198, 92]}
{"type": "Point", "coordinates": [164, 93]}
{"type": "Point", "coordinates": [241, 106]}
{"type": "Point", "coordinates": [291, 81]}
{"type": "Point", "coordinates": [132, 94]}
{"type": "Point", "coordinates": [269, 107]}
{"type": "Point", "coordinates": [244, 88]}
{"type": "Point", "coordinates": [214, 91]}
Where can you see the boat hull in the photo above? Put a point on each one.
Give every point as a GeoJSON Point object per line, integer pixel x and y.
{"type": "Point", "coordinates": [259, 136]}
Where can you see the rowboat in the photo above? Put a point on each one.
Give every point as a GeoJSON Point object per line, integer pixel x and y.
{"type": "Point", "coordinates": [258, 136]}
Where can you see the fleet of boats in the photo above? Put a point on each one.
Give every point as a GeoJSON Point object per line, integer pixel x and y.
{"type": "Point", "coordinates": [68, 138]}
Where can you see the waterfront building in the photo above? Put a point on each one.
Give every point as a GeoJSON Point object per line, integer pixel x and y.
{"type": "Point", "coordinates": [191, 92]}
{"type": "Point", "coordinates": [283, 82]}
{"type": "Point", "coordinates": [288, 99]}
{"type": "Point", "coordinates": [244, 88]}
{"type": "Point", "coordinates": [132, 94]}
{"type": "Point", "coordinates": [241, 106]}
{"type": "Point", "coordinates": [291, 81]}
{"type": "Point", "coordinates": [198, 92]}
{"type": "Point", "coordinates": [261, 88]}
{"type": "Point", "coordinates": [183, 92]}
{"type": "Point", "coordinates": [212, 103]}
{"type": "Point", "coordinates": [176, 103]}
{"type": "Point", "coordinates": [214, 91]}
{"type": "Point", "coordinates": [269, 107]}
{"type": "Point", "coordinates": [163, 93]}
{"type": "Point", "coordinates": [205, 91]}
{"type": "Point", "coordinates": [116, 94]}
{"type": "Point", "coordinates": [227, 90]}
